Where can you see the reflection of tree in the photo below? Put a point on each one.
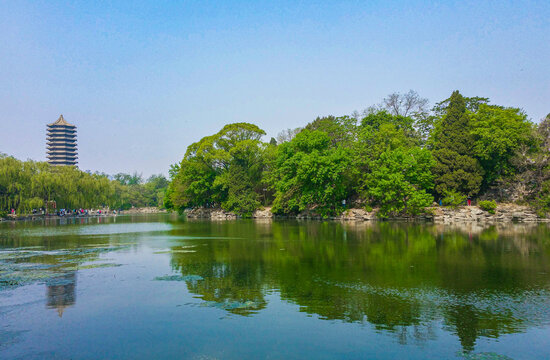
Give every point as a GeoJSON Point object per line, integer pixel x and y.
{"type": "Point", "coordinates": [61, 292]}
{"type": "Point", "coordinates": [466, 322]}
{"type": "Point", "coordinates": [228, 279]}
{"type": "Point", "coordinates": [398, 278]}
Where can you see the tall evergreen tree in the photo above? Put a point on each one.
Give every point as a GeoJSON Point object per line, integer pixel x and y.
{"type": "Point", "coordinates": [456, 169]}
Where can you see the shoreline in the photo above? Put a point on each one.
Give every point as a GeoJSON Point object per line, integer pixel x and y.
{"type": "Point", "coordinates": [35, 217]}
{"type": "Point", "coordinates": [504, 213]}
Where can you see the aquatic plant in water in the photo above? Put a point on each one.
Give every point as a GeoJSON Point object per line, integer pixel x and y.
{"type": "Point", "coordinates": [24, 266]}
{"type": "Point", "coordinates": [191, 278]}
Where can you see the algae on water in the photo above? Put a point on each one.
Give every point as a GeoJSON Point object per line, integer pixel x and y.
{"type": "Point", "coordinates": [24, 266]}
{"type": "Point", "coordinates": [97, 266]}
{"type": "Point", "coordinates": [179, 278]}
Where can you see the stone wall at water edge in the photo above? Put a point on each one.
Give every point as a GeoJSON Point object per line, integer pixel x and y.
{"type": "Point", "coordinates": [504, 213]}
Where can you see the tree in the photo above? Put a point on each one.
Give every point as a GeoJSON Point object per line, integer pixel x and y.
{"type": "Point", "coordinates": [374, 120]}
{"type": "Point", "coordinates": [154, 190]}
{"type": "Point", "coordinates": [128, 179]}
{"type": "Point", "coordinates": [223, 169]}
{"type": "Point", "coordinates": [378, 132]}
{"type": "Point", "coordinates": [400, 179]}
{"type": "Point", "coordinates": [193, 185]}
{"type": "Point", "coordinates": [498, 133]}
{"type": "Point", "coordinates": [310, 174]}
{"type": "Point", "coordinates": [532, 165]}
{"type": "Point", "coordinates": [456, 169]}
{"type": "Point", "coordinates": [27, 185]}
{"type": "Point", "coordinates": [394, 172]}
{"type": "Point", "coordinates": [341, 130]}
{"type": "Point", "coordinates": [287, 135]}
{"type": "Point", "coordinates": [408, 104]}
{"type": "Point", "coordinates": [471, 103]}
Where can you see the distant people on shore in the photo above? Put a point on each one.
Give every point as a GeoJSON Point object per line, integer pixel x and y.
{"type": "Point", "coordinates": [67, 212]}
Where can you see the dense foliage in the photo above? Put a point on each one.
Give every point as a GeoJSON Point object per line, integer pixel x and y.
{"type": "Point", "coordinates": [133, 191]}
{"type": "Point", "coordinates": [456, 168]}
{"type": "Point", "coordinates": [224, 169]}
{"type": "Point", "coordinates": [397, 156]}
{"type": "Point", "coordinates": [310, 172]}
{"type": "Point", "coordinates": [28, 185]}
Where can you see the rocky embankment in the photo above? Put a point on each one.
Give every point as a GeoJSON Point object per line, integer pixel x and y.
{"type": "Point", "coordinates": [207, 213]}
{"type": "Point", "coordinates": [504, 213]}
{"type": "Point", "coordinates": [144, 210]}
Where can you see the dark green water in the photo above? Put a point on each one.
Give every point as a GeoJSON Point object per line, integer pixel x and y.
{"type": "Point", "coordinates": [159, 287]}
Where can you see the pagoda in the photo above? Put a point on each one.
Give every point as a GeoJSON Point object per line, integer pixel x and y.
{"type": "Point", "coordinates": [61, 143]}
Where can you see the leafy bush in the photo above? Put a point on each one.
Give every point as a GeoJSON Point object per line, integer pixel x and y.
{"type": "Point", "coordinates": [368, 208]}
{"type": "Point", "coordinates": [453, 199]}
{"type": "Point", "coordinates": [488, 205]}
{"type": "Point", "coordinates": [3, 214]}
{"type": "Point", "coordinates": [542, 201]}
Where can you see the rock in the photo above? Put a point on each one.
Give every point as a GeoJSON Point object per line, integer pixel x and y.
{"type": "Point", "coordinates": [476, 211]}
{"type": "Point", "coordinates": [214, 214]}
{"type": "Point", "coordinates": [264, 213]}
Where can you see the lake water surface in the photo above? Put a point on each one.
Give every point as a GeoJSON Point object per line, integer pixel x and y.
{"type": "Point", "coordinates": [162, 287]}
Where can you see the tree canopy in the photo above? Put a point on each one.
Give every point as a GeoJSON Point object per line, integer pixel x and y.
{"type": "Point", "coordinates": [28, 185]}
{"type": "Point", "coordinates": [223, 170]}
{"type": "Point", "coordinates": [397, 156]}
{"type": "Point", "coordinates": [456, 168]}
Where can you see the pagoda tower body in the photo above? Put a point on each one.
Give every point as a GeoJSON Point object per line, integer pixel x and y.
{"type": "Point", "coordinates": [62, 143]}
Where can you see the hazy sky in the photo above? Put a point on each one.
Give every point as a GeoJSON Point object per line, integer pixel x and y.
{"type": "Point", "coordinates": [143, 80]}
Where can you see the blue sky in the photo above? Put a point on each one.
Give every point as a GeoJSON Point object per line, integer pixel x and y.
{"type": "Point", "coordinates": [143, 80]}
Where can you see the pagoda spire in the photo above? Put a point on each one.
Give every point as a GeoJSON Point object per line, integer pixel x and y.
{"type": "Point", "coordinates": [61, 121]}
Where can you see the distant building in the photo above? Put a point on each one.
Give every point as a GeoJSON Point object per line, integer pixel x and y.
{"type": "Point", "coordinates": [62, 143]}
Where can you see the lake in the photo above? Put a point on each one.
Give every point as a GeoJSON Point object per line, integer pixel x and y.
{"type": "Point", "coordinates": [162, 287]}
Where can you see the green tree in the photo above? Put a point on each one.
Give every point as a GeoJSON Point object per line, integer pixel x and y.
{"type": "Point", "coordinates": [310, 174]}
{"type": "Point", "coordinates": [223, 169]}
{"type": "Point", "coordinates": [456, 169]}
{"type": "Point", "coordinates": [498, 133]}
{"type": "Point", "coordinates": [128, 179]}
{"type": "Point", "coordinates": [400, 179]}
{"type": "Point", "coordinates": [341, 130]}
{"type": "Point", "coordinates": [378, 133]}
{"type": "Point", "coordinates": [154, 190]}
{"type": "Point", "coordinates": [27, 185]}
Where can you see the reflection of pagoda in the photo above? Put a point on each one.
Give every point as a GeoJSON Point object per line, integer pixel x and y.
{"type": "Point", "coordinates": [62, 294]}
{"type": "Point", "coordinates": [62, 143]}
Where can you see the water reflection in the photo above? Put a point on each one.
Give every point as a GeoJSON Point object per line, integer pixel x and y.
{"type": "Point", "coordinates": [401, 279]}
{"type": "Point", "coordinates": [60, 293]}
{"type": "Point", "coordinates": [416, 283]}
